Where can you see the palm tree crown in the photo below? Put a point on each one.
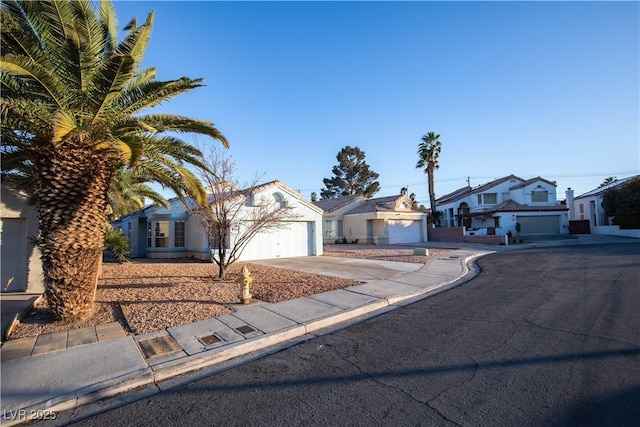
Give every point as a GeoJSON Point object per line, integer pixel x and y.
{"type": "Point", "coordinates": [73, 113]}
{"type": "Point", "coordinates": [428, 154]}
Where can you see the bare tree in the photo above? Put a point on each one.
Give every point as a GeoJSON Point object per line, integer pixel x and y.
{"type": "Point", "coordinates": [234, 213]}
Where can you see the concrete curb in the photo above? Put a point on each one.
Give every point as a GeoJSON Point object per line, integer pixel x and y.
{"type": "Point", "coordinates": [107, 395]}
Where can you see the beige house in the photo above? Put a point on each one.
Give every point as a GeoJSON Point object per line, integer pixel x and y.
{"type": "Point", "coordinates": [21, 266]}
{"type": "Point", "coordinates": [382, 220]}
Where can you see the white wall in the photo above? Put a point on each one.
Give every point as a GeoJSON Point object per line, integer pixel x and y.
{"type": "Point", "coordinates": [13, 205]}
{"type": "Point", "coordinates": [307, 218]}
{"type": "Point", "coordinates": [614, 230]}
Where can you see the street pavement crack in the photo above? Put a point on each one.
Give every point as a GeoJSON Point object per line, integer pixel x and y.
{"type": "Point", "coordinates": [580, 334]}
{"type": "Point", "coordinates": [382, 383]}
{"type": "Point", "coordinates": [475, 363]}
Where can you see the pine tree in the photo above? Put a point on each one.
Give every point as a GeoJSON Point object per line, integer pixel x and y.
{"type": "Point", "coordinates": [352, 175]}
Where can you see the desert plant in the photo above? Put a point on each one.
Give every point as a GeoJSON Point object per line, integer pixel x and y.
{"type": "Point", "coordinates": [117, 243]}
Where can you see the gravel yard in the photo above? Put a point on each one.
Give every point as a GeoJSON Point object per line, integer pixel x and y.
{"type": "Point", "coordinates": [146, 296]}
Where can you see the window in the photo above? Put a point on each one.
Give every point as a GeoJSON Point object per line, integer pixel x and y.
{"type": "Point", "coordinates": [581, 208]}
{"type": "Point", "coordinates": [340, 232]}
{"type": "Point", "coordinates": [328, 228]}
{"type": "Point", "coordinates": [279, 200]}
{"type": "Point", "coordinates": [539, 196]}
{"type": "Point", "coordinates": [149, 234]}
{"type": "Point", "coordinates": [162, 234]}
{"type": "Point", "coordinates": [488, 199]}
{"type": "Point", "coordinates": [178, 234]}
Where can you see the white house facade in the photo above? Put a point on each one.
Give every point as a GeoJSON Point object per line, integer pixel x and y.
{"type": "Point", "coordinates": [588, 206]}
{"type": "Point", "coordinates": [158, 232]}
{"type": "Point", "coordinates": [496, 207]}
{"type": "Point", "coordinates": [21, 266]}
{"type": "Point", "coordinates": [381, 220]}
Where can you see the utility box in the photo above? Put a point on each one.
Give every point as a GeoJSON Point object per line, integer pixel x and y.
{"type": "Point", "coordinates": [421, 251]}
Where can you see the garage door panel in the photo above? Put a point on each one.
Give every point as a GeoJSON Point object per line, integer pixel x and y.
{"type": "Point", "coordinates": [539, 224]}
{"type": "Point", "coordinates": [404, 231]}
{"type": "Point", "coordinates": [14, 254]}
{"type": "Point", "coordinates": [287, 242]}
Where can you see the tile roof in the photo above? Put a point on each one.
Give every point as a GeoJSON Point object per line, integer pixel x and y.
{"type": "Point", "coordinates": [531, 181]}
{"type": "Point", "coordinates": [329, 205]}
{"type": "Point", "coordinates": [465, 191]}
{"type": "Point", "coordinates": [512, 206]}
{"type": "Point", "coordinates": [236, 193]}
{"type": "Point", "coordinates": [381, 204]}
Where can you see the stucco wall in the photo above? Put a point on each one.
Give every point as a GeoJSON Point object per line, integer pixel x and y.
{"type": "Point", "coordinates": [354, 228]}
{"type": "Point", "coordinates": [445, 234]}
{"type": "Point", "coordinates": [614, 230]}
{"type": "Point", "coordinates": [196, 244]}
{"type": "Point", "coordinates": [14, 205]}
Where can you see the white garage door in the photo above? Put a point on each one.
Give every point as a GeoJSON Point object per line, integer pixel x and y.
{"type": "Point", "coordinates": [13, 242]}
{"type": "Point", "coordinates": [539, 224]}
{"type": "Point", "coordinates": [295, 240]}
{"type": "Point", "coordinates": [404, 231]}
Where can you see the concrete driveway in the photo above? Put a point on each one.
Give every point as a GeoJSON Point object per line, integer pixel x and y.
{"type": "Point", "coordinates": [364, 270]}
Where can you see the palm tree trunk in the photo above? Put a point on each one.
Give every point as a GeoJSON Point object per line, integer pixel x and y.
{"type": "Point", "coordinates": [432, 192]}
{"type": "Point", "coordinates": [72, 187]}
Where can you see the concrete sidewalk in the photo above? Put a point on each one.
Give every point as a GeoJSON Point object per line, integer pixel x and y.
{"type": "Point", "coordinates": [88, 375]}
{"type": "Point", "coordinates": [12, 307]}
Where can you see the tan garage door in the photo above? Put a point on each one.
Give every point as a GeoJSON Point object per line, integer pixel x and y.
{"type": "Point", "coordinates": [13, 244]}
{"type": "Point", "coordinates": [539, 224]}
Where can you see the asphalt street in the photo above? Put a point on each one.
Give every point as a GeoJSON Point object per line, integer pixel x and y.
{"type": "Point", "coordinates": [541, 337]}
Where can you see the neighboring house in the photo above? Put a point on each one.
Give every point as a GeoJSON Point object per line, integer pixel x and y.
{"type": "Point", "coordinates": [494, 208]}
{"type": "Point", "coordinates": [588, 206]}
{"type": "Point", "coordinates": [158, 232]}
{"type": "Point", "coordinates": [382, 220]}
{"type": "Point", "coordinates": [21, 265]}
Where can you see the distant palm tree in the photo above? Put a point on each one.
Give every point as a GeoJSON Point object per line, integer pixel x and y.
{"type": "Point", "coordinates": [428, 154]}
{"type": "Point", "coordinates": [608, 181]}
{"type": "Point", "coordinates": [127, 194]}
{"type": "Point", "coordinates": [72, 98]}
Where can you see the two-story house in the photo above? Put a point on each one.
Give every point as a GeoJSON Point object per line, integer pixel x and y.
{"type": "Point", "coordinates": [497, 206]}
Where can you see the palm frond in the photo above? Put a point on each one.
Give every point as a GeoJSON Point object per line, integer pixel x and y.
{"type": "Point", "coordinates": [174, 123]}
{"type": "Point", "coordinates": [109, 22]}
{"type": "Point", "coordinates": [46, 86]}
{"type": "Point", "coordinates": [108, 82]}
{"type": "Point", "coordinates": [149, 94]}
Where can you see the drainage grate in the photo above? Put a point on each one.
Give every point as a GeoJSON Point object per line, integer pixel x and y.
{"type": "Point", "coordinates": [158, 346]}
{"type": "Point", "coordinates": [245, 329]}
{"type": "Point", "coordinates": [209, 339]}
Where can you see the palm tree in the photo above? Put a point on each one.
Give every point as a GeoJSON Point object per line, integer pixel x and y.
{"type": "Point", "coordinates": [72, 102]}
{"type": "Point", "coordinates": [127, 194]}
{"type": "Point", "coordinates": [608, 181]}
{"type": "Point", "coordinates": [428, 154]}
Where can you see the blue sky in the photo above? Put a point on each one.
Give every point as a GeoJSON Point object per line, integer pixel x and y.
{"type": "Point", "coordinates": [547, 89]}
